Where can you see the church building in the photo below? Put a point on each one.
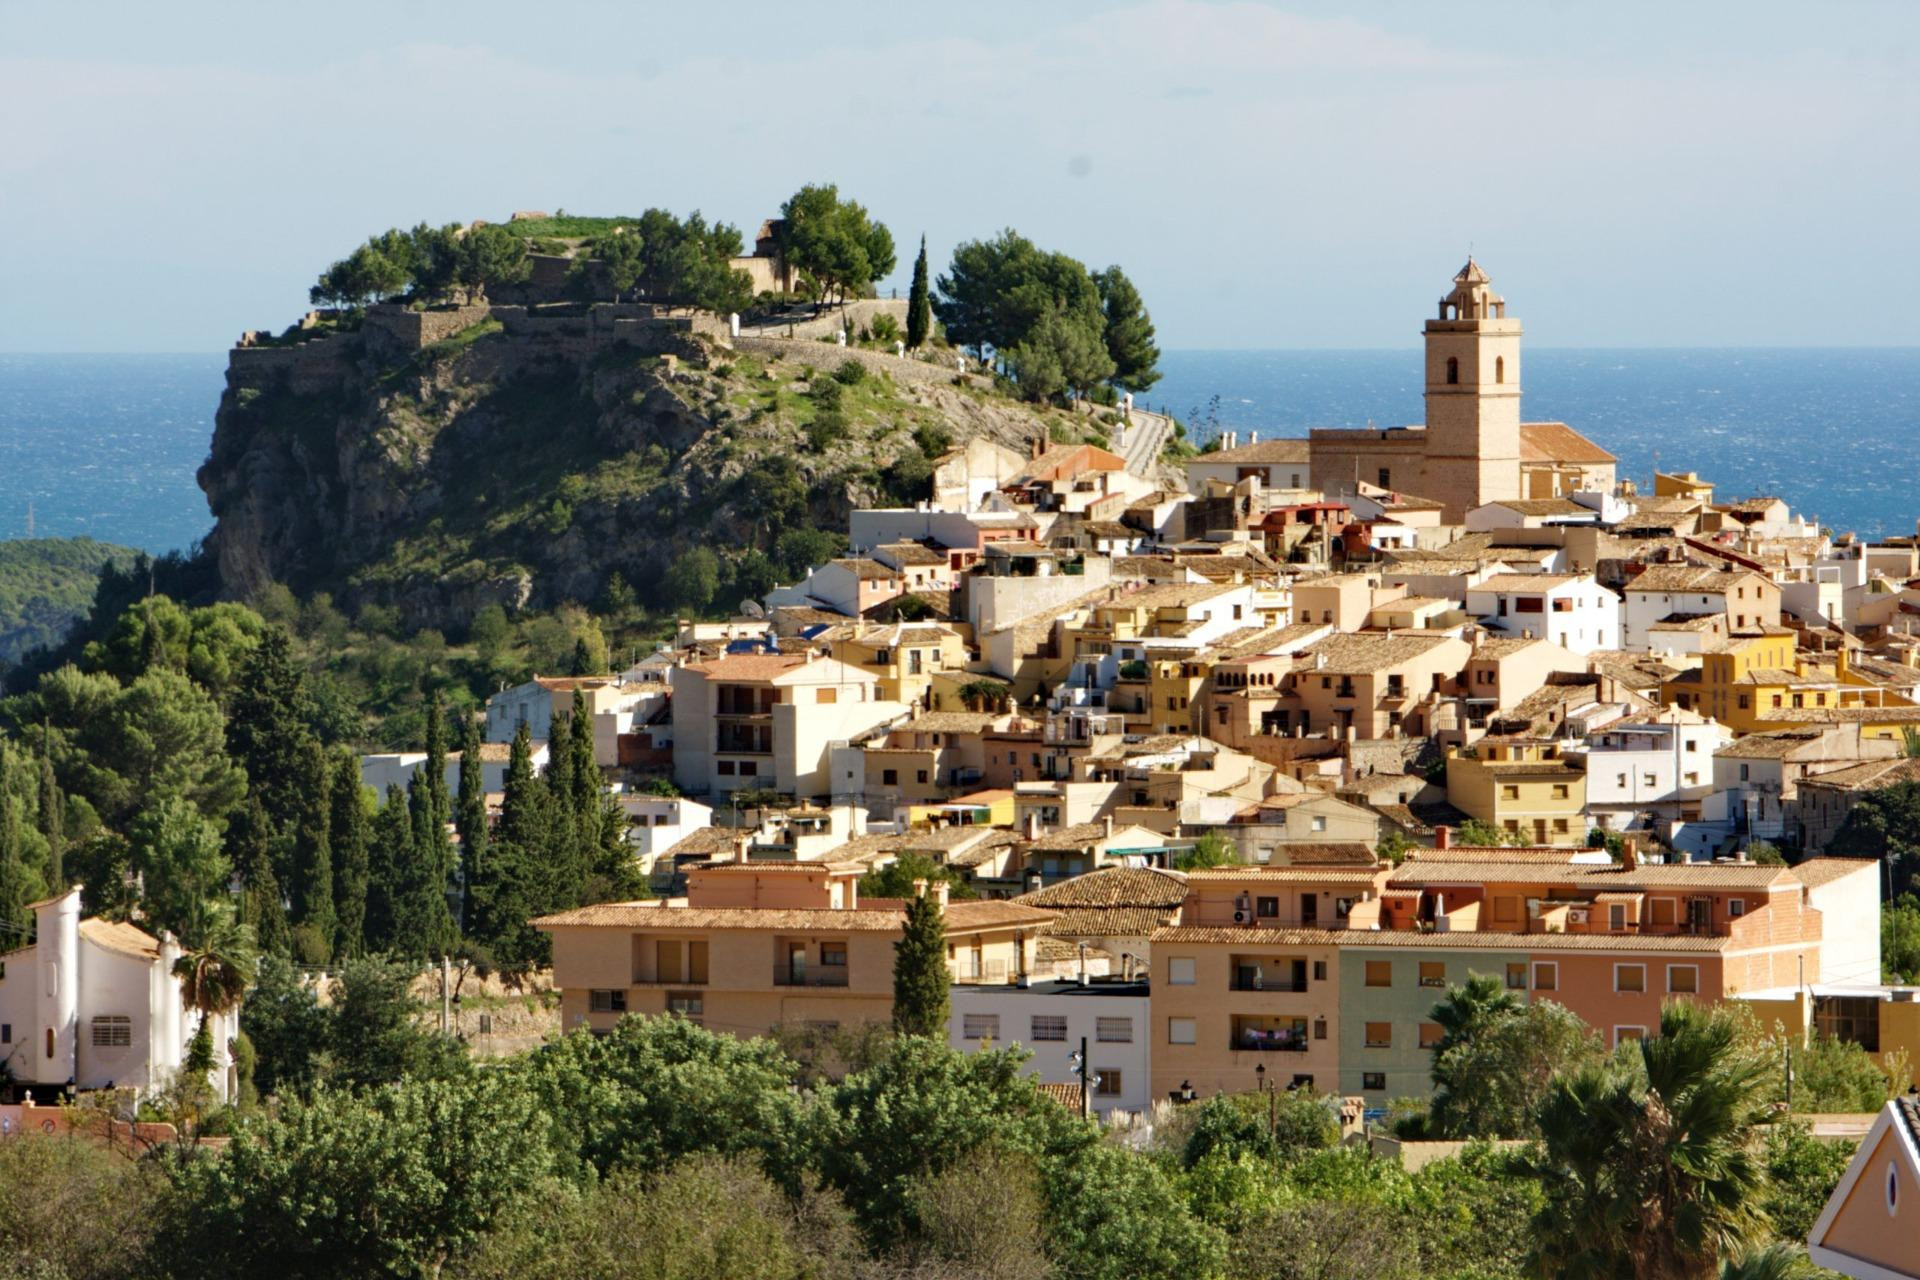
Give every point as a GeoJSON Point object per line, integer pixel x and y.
{"type": "Point", "coordinates": [1474, 448]}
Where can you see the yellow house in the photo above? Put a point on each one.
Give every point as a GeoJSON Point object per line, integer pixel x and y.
{"type": "Point", "coordinates": [1521, 785]}
{"type": "Point", "coordinates": [991, 808]}
{"type": "Point", "coordinates": [1885, 1021]}
{"type": "Point", "coordinates": [904, 658]}
{"type": "Point", "coordinates": [1684, 484]}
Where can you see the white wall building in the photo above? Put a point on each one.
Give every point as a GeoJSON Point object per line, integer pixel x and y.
{"type": "Point", "coordinates": [396, 768]}
{"type": "Point", "coordinates": [657, 823]}
{"type": "Point", "coordinates": [1049, 1019]}
{"type": "Point", "coordinates": [1573, 611]}
{"type": "Point", "coordinates": [95, 1002]}
{"type": "Point", "coordinates": [1647, 763]}
{"type": "Point", "coordinates": [1748, 600]}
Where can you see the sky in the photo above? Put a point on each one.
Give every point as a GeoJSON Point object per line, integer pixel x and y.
{"type": "Point", "coordinates": [1271, 175]}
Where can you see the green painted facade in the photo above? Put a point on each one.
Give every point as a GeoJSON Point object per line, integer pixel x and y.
{"type": "Point", "coordinates": [1404, 1004]}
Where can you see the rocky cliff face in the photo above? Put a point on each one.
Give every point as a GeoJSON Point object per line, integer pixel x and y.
{"type": "Point", "coordinates": [525, 465]}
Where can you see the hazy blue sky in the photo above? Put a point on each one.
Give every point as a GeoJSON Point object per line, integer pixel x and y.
{"type": "Point", "coordinates": [1288, 175]}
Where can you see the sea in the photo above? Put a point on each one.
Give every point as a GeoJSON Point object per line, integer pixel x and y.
{"type": "Point", "coordinates": [107, 445]}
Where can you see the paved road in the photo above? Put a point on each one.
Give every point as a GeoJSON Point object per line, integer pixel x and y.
{"type": "Point", "coordinates": [1143, 440]}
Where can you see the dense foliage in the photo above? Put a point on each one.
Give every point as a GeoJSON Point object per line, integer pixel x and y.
{"type": "Point", "coordinates": [837, 247]}
{"type": "Point", "coordinates": [46, 585]}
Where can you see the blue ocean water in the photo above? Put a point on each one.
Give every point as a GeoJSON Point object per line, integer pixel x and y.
{"type": "Point", "coordinates": [1836, 432]}
{"type": "Point", "coordinates": [107, 445]}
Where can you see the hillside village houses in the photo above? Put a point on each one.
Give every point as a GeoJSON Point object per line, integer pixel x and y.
{"type": "Point", "coordinates": [1057, 679]}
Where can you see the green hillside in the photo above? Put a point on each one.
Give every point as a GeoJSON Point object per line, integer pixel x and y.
{"type": "Point", "coordinates": [46, 585]}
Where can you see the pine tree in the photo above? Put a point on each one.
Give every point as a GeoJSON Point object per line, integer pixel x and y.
{"type": "Point", "coordinates": [53, 824]}
{"type": "Point", "coordinates": [559, 847]}
{"type": "Point", "coordinates": [347, 830]}
{"type": "Point", "coordinates": [919, 302]}
{"type": "Point", "coordinates": [613, 873]}
{"type": "Point", "coordinates": [920, 970]}
{"type": "Point", "coordinates": [313, 857]}
{"type": "Point", "coordinates": [588, 801]}
{"type": "Point", "coordinates": [470, 812]}
{"type": "Point", "coordinates": [516, 881]}
{"type": "Point", "coordinates": [582, 659]}
{"type": "Point", "coordinates": [388, 851]}
{"type": "Point", "coordinates": [250, 849]}
{"type": "Point", "coordinates": [267, 728]}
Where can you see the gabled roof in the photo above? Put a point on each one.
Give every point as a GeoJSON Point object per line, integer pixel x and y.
{"type": "Point", "coordinates": [1558, 442]}
{"type": "Point", "coordinates": [1113, 887]}
{"type": "Point", "coordinates": [121, 938]}
{"type": "Point", "coordinates": [1354, 654]}
{"type": "Point", "coordinates": [1263, 453]}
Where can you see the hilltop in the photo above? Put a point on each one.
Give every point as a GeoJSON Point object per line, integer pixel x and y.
{"type": "Point", "coordinates": [440, 460]}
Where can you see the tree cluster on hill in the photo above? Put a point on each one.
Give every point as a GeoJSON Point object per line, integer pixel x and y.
{"type": "Point", "coordinates": [835, 245]}
{"type": "Point", "coordinates": [666, 259]}
{"type": "Point", "coordinates": [1052, 324]}
{"type": "Point", "coordinates": [427, 263]}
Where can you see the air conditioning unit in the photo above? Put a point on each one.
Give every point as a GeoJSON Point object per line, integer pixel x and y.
{"type": "Point", "coordinates": [1576, 915]}
{"type": "Point", "coordinates": [1239, 917]}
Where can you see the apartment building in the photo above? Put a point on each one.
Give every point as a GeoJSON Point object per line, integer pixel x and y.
{"type": "Point", "coordinates": [1570, 610]}
{"type": "Point", "coordinates": [1526, 786]}
{"type": "Point", "coordinates": [1745, 599]}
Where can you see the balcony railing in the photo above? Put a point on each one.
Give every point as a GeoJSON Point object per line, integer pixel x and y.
{"type": "Point", "coordinates": [784, 978]}
{"type": "Point", "coordinates": [1255, 1041]}
{"type": "Point", "coordinates": [1284, 986]}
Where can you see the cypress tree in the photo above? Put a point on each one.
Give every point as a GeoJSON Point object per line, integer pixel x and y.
{"type": "Point", "coordinates": [422, 922]}
{"type": "Point", "coordinates": [470, 813]}
{"type": "Point", "coordinates": [613, 874]}
{"type": "Point", "coordinates": [559, 843]}
{"type": "Point", "coordinates": [919, 302]}
{"type": "Point", "coordinates": [347, 831]}
{"type": "Point", "coordinates": [516, 881]}
{"type": "Point", "coordinates": [313, 857]}
{"type": "Point", "coordinates": [920, 970]}
{"type": "Point", "coordinates": [582, 659]}
{"type": "Point", "coordinates": [15, 920]}
{"type": "Point", "coordinates": [53, 825]}
{"type": "Point", "coordinates": [267, 728]}
{"type": "Point", "coordinates": [436, 764]}
{"type": "Point", "coordinates": [589, 795]}
{"type": "Point", "coordinates": [388, 851]}
{"type": "Point", "coordinates": [250, 850]}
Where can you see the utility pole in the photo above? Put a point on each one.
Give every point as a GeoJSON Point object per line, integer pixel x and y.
{"type": "Point", "coordinates": [446, 998]}
{"type": "Point", "coordinates": [1079, 1064]}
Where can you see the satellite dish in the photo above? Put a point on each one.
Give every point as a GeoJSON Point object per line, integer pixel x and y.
{"type": "Point", "coordinates": [751, 609]}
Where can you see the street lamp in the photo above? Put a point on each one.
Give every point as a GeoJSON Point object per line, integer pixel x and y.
{"type": "Point", "coordinates": [1186, 1091]}
{"type": "Point", "coordinates": [1273, 1100]}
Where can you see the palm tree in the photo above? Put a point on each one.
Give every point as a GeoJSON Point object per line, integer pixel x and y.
{"type": "Point", "coordinates": [1467, 1008]}
{"type": "Point", "coordinates": [1775, 1262]}
{"type": "Point", "coordinates": [217, 963]}
{"type": "Point", "coordinates": [1649, 1163]}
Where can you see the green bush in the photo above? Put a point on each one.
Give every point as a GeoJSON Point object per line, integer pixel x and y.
{"type": "Point", "coordinates": [850, 374]}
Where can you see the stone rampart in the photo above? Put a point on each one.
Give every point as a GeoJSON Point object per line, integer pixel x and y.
{"type": "Point", "coordinates": [411, 330]}
{"type": "Point", "coordinates": [829, 356]}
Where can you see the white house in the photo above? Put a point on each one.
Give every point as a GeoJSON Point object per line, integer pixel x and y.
{"type": "Point", "coordinates": [1749, 600]}
{"type": "Point", "coordinates": [396, 768]}
{"type": "Point", "coordinates": [1651, 764]}
{"type": "Point", "coordinates": [95, 1003]}
{"type": "Point", "coordinates": [1571, 610]}
{"type": "Point", "coordinates": [657, 823]}
{"type": "Point", "coordinates": [1050, 1019]}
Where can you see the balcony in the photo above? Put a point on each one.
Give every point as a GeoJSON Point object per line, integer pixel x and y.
{"type": "Point", "coordinates": [783, 977]}
{"type": "Point", "coordinates": [1269, 1035]}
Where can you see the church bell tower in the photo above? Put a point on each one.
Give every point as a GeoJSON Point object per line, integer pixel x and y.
{"type": "Point", "coordinates": [1473, 396]}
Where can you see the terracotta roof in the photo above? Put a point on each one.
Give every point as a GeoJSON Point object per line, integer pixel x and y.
{"type": "Point", "coordinates": [1113, 887]}
{"type": "Point", "coordinates": [748, 666]}
{"type": "Point", "coordinates": [1525, 581]}
{"type": "Point", "coordinates": [1476, 940]}
{"type": "Point", "coordinates": [962, 917]}
{"type": "Point", "coordinates": [1844, 715]}
{"type": "Point", "coordinates": [567, 684]}
{"type": "Point", "coordinates": [1815, 872]}
{"type": "Point", "coordinates": [1063, 462]}
{"type": "Point", "coordinates": [1543, 506]}
{"type": "Point", "coordinates": [1078, 836]}
{"type": "Point", "coordinates": [1558, 442]}
{"type": "Point", "coordinates": [1287, 875]}
{"type": "Point", "coordinates": [1706, 875]}
{"type": "Point", "coordinates": [120, 937]}
{"type": "Point", "coordinates": [1263, 453]}
{"type": "Point", "coordinates": [705, 841]}
{"type": "Point", "coordinates": [1111, 922]}
{"type": "Point", "coordinates": [911, 553]}
{"type": "Point", "coordinates": [992, 914]}
{"type": "Point", "coordinates": [1686, 578]}
{"type": "Point", "coordinates": [1562, 855]}
{"type": "Point", "coordinates": [1326, 853]}
{"type": "Point", "coordinates": [950, 722]}
{"type": "Point", "coordinates": [1067, 1095]}
{"type": "Point", "coordinates": [868, 570]}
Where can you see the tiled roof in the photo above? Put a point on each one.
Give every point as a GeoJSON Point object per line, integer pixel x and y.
{"type": "Point", "coordinates": [1287, 875]}
{"type": "Point", "coordinates": [706, 841]}
{"type": "Point", "coordinates": [1818, 871]}
{"type": "Point", "coordinates": [1113, 887]}
{"type": "Point", "coordinates": [1685, 578]}
{"type": "Point", "coordinates": [1525, 581]}
{"type": "Point", "coordinates": [1562, 855]}
{"type": "Point", "coordinates": [962, 917]}
{"type": "Point", "coordinates": [868, 570]}
{"type": "Point", "coordinates": [911, 553]}
{"type": "Point", "coordinates": [748, 666]}
{"type": "Point", "coordinates": [1867, 777]}
{"type": "Point", "coordinates": [1704, 875]}
{"type": "Point", "coordinates": [950, 722]}
{"type": "Point", "coordinates": [567, 684]}
{"type": "Point", "coordinates": [1543, 506]}
{"type": "Point", "coordinates": [1326, 853]}
{"type": "Point", "coordinates": [1558, 442]}
{"type": "Point", "coordinates": [1476, 940]}
{"type": "Point", "coordinates": [1350, 654]}
{"type": "Point", "coordinates": [1844, 715]}
{"type": "Point", "coordinates": [1777, 745]}
{"type": "Point", "coordinates": [120, 937]}
{"type": "Point", "coordinates": [1111, 922]}
{"type": "Point", "coordinates": [1075, 837]}
{"type": "Point", "coordinates": [993, 914]}
{"type": "Point", "coordinates": [1263, 453]}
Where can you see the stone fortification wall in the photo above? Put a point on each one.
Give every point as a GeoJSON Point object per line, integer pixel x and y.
{"type": "Point", "coordinates": [828, 356]}
{"type": "Point", "coordinates": [309, 368]}
{"type": "Point", "coordinates": [411, 330]}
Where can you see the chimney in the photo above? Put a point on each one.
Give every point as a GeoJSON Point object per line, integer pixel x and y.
{"type": "Point", "coordinates": [1033, 825]}
{"type": "Point", "coordinates": [741, 843]}
{"type": "Point", "coordinates": [1443, 836]}
{"type": "Point", "coordinates": [940, 894]}
{"type": "Point", "coordinates": [1630, 852]}
{"type": "Point", "coordinates": [1106, 824]}
{"type": "Point", "coordinates": [1253, 437]}
{"type": "Point", "coordinates": [919, 888]}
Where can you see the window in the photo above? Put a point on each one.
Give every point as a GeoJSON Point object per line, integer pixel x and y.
{"type": "Point", "coordinates": [607, 1001]}
{"type": "Point", "coordinates": [1373, 1081]}
{"type": "Point", "coordinates": [1663, 912]}
{"type": "Point", "coordinates": [1499, 368]}
{"type": "Point", "coordinates": [824, 696]}
{"type": "Point", "coordinates": [1047, 1026]}
{"type": "Point", "coordinates": [690, 1005]}
{"type": "Point", "coordinates": [1267, 908]}
{"type": "Point", "coordinates": [1629, 977]}
{"type": "Point", "coordinates": [726, 768]}
{"type": "Point", "coordinates": [1453, 371]}
{"type": "Point", "coordinates": [1683, 979]}
{"type": "Point", "coordinates": [1379, 1035]}
{"type": "Point", "coordinates": [1433, 973]}
{"type": "Point", "coordinates": [1546, 976]}
{"type": "Point", "coordinates": [6, 1033]}
{"type": "Point", "coordinates": [1736, 907]}
{"type": "Point", "coordinates": [1319, 970]}
{"type": "Point", "coordinates": [1509, 791]}
{"type": "Point", "coordinates": [980, 1026]}
{"type": "Point", "coordinates": [1319, 1028]}
{"type": "Point", "coordinates": [1379, 973]}
{"type": "Point", "coordinates": [749, 769]}
{"type": "Point", "coordinates": [1617, 916]}
{"type": "Point", "coordinates": [112, 1031]}
{"type": "Point", "coordinates": [1429, 1034]}
{"type": "Point", "coordinates": [1627, 1035]}
{"type": "Point", "coordinates": [833, 953]}
{"type": "Point", "coordinates": [1744, 773]}
{"type": "Point", "coordinates": [1559, 791]}
{"type": "Point", "coordinates": [1180, 1031]}
{"type": "Point", "coordinates": [889, 777]}
{"type": "Point", "coordinates": [1517, 976]}
{"type": "Point", "coordinates": [1106, 1082]}
{"type": "Point", "coordinates": [1113, 1030]}
{"type": "Point", "coordinates": [1180, 971]}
